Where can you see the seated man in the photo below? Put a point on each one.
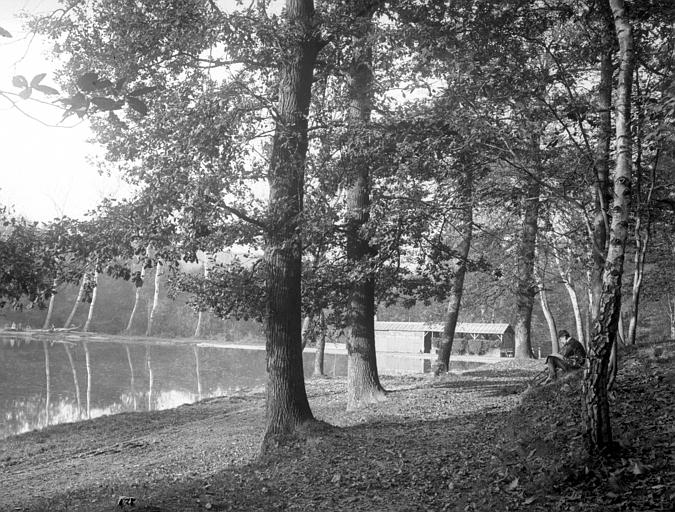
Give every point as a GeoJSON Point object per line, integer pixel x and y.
{"type": "Point", "coordinates": [571, 356]}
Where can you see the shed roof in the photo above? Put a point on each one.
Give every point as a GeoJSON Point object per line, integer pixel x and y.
{"type": "Point", "coordinates": [464, 328]}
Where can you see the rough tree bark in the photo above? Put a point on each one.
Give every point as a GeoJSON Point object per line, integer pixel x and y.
{"type": "Point", "coordinates": [465, 231]}
{"type": "Point", "coordinates": [363, 381]}
{"type": "Point", "coordinates": [287, 404]}
{"type": "Point", "coordinates": [526, 283]}
{"type": "Point", "coordinates": [599, 430]}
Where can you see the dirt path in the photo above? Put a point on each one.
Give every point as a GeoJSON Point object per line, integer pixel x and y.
{"type": "Point", "coordinates": [435, 444]}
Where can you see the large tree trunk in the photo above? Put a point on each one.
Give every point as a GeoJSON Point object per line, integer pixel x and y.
{"type": "Point", "coordinates": [526, 286]}
{"type": "Point", "coordinates": [465, 231]}
{"type": "Point", "coordinates": [363, 381]}
{"type": "Point", "coordinates": [92, 304]}
{"type": "Point", "coordinates": [601, 186]}
{"type": "Point", "coordinates": [155, 298]}
{"type": "Point", "coordinates": [78, 299]}
{"type": "Point", "coordinates": [287, 404]}
{"type": "Point", "coordinates": [605, 326]}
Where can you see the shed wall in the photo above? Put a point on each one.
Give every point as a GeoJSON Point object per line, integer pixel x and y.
{"type": "Point", "coordinates": [399, 341]}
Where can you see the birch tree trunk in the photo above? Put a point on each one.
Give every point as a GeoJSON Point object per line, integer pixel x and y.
{"type": "Point", "coordinates": [601, 186]}
{"type": "Point", "coordinates": [526, 283]}
{"type": "Point", "coordinates": [641, 244]}
{"type": "Point", "coordinates": [78, 299]}
{"type": "Point", "coordinates": [320, 346]}
{"type": "Point", "coordinates": [598, 423]}
{"type": "Point", "coordinates": [155, 298]}
{"type": "Point", "coordinates": [287, 404]}
{"type": "Point", "coordinates": [550, 321]}
{"type": "Point", "coordinates": [200, 316]}
{"type": "Point", "coordinates": [465, 231]}
{"type": "Point", "coordinates": [566, 278]}
{"type": "Point", "coordinates": [137, 296]}
{"type": "Point", "coordinates": [50, 309]}
{"type": "Point", "coordinates": [363, 381]}
{"type": "Point", "coordinates": [92, 305]}
{"type": "Point", "coordinates": [306, 325]}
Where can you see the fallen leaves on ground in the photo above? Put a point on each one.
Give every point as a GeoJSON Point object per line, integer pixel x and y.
{"type": "Point", "coordinates": [476, 440]}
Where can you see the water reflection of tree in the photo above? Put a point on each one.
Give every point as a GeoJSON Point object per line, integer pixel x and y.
{"type": "Point", "coordinates": [199, 380]}
{"type": "Point", "coordinates": [133, 378]}
{"type": "Point", "coordinates": [45, 348]}
{"type": "Point", "coordinates": [76, 382]}
{"type": "Point", "coordinates": [87, 360]}
{"type": "Point", "coordinates": [148, 364]}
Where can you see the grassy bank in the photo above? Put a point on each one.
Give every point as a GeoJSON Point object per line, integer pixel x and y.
{"type": "Point", "coordinates": [472, 441]}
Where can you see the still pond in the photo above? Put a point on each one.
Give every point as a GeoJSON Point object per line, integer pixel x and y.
{"type": "Point", "coordinates": [44, 381]}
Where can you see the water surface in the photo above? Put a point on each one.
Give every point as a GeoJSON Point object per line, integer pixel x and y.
{"type": "Point", "coordinates": [49, 381]}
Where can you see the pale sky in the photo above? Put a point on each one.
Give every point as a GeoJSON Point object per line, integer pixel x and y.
{"type": "Point", "coordinates": [44, 171]}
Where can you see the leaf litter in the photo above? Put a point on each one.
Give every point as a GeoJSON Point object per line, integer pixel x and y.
{"type": "Point", "coordinates": [478, 440]}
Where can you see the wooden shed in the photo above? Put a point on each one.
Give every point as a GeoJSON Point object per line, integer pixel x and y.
{"type": "Point", "coordinates": [423, 337]}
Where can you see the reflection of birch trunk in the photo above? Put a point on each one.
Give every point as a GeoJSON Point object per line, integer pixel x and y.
{"type": "Point", "coordinates": [87, 360]}
{"type": "Point", "coordinates": [94, 294]}
{"type": "Point", "coordinates": [133, 379]}
{"type": "Point", "coordinates": [200, 317]}
{"type": "Point", "coordinates": [48, 383]}
{"type": "Point", "coordinates": [76, 382]}
{"type": "Point", "coordinates": [320, 346]}
{"type": "Point", "coordinates": [50, 308]}
{"type": "Point", "coordinates": [199, 379]}
{"type": "Point", "coordinates": [80, 294]}
{"type": "Point", "coordinates": [148, 362]}
{"type": "Point", "coordinates": [155, 298]}
{"type": "Point", "coordinates": [137, 298]}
